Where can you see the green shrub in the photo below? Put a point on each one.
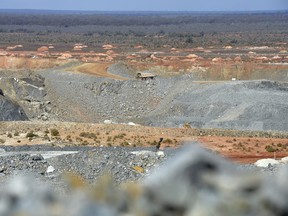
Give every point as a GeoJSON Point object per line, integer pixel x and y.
{"type": "Point", "coordinates": [16, 133]}
{"type": "Point", "coordinates": [31, 134]}
{"type": "Point", "coordinates": [9, 135]}
{"type": "Point", "coordinates": [154, 143]}
{"type": "Point", "coordinates": [269, 148]}
{"type": "Point", "coordinates": [85, 142]}
{"type": "Point", "coordinates": [88, 135]}
{"type": "Point", "coordinates": [54, 132]}
{"type": "Point", "coordinates": [169, 141]}
{"type": "Point", "coordinates": [83, 134]}
{"type": "Point", "coordinates": [119, 136]}
{"type": "Point", "coordinates": [124, 143]}
{"type": "Point", "coordinates": [2, 141]}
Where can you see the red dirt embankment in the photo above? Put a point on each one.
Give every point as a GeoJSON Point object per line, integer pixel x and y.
{"type": "Point", "coordinates": [8, 62]}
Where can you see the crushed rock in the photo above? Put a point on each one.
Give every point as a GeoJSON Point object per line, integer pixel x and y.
{"type": "Point", "coordinates": [193, 182]}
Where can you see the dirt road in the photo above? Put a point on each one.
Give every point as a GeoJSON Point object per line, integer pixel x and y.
{"type": "Point", "coordinates": [97, 69]}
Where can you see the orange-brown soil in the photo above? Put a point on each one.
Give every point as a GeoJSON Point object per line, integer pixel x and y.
{"type": "Point", "coordinates": [212, 63]}
{"type": "Point", "coordinates": [230, 144]}
{"type": "Point", "coordinates": [97, 69]}
{"type": "Point", "coordinates": [246, 149]}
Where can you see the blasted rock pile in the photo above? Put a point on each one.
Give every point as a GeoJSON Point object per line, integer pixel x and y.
{"type": "Point", "coordinates": [122, 164]}
{"type": "Point", "coordinates": [194, 182]}
{"type": "Point", "coordinates": [22, 161]}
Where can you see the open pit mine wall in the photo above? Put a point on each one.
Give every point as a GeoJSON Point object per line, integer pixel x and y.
{"type": "Point", "coordinates": [11, 111]}
{"type": "Point", "coordinates": [28, 92]}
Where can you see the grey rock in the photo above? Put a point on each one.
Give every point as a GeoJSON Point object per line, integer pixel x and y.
{"type": "Point", "coordinates": [11, 111]}
{"type": "Point", "coordinates": [37, 157]}
{"type": "Point", "coordinates": [50, 169]}
{"type": "Point", "coordinates": [193, 182]}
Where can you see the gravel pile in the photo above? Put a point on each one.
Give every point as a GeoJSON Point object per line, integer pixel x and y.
{"type": "Point", "coordinates": [165, 102]}
{"type": "Point", "coordinates": [26, 162]}
{"type": "Point", "coordinates": [194, 182]}
{"type": "Point", "coordinates": [124, 164]}
{"type": "Point", "coordinates": [119, 162]}
{"type": "Point", "coordinates": [244, 105]}
{"type": "Point", "coordinates": [168, 102]}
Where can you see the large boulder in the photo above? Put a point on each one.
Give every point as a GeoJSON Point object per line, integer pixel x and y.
{"type": "Point", "coordinates": [11, 111]}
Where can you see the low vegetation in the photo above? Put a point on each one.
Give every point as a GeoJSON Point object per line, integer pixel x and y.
{"type": "Point", "coordinates": [270, 148]}
{"type": "Point", "coordinates": [88, 135]}
{"type": "Point", "coordinates": [54, 132]}
{"type": "Point", "coordinates": [9, 135]}
{"type": "Point", "coordinates": [155, 30]}
{"type": "Point", "coordinates": [31, 134]}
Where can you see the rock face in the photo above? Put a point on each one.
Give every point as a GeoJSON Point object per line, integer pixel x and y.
{"type": "Point", "coordinates": [30, 93]}
{"type": "Point", "coordinates": [10, 111]}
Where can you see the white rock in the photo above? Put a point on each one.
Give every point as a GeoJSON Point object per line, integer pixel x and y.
{"type": "Point", "coordinates": [284, 159]}
{"type": "Point", "coordinates": [50, 169]}
{"type": "Point", "coordinates": [143, 153]}
{"type": "Point", "coordinates": [107, 121]}
{"type": "Point", "coordinates": [160, 154]}
{"type": "Point", "coordinates": [131, 124]}
{"type": "Point", "coordinates": [266, 162]}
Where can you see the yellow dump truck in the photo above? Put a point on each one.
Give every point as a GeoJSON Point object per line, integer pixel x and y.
{"type": "Point", "coordinates": [145, 75]}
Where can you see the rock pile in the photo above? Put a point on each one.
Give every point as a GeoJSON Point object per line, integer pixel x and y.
{"type": "Point", "coordinates": [22, 162]}
{"type": "Point", "coordinates": [167, 101]}
{"type": "Point", "coordinates": [119, 162]}
{"type": "Point", "coordinates": [195, 182]}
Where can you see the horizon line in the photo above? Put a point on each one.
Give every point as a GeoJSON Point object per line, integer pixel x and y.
{"type": "Point", "coordinates": [167, 11]}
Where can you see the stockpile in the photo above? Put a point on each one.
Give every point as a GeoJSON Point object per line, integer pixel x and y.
{"type": "Point", "coordinates": [194, 182]}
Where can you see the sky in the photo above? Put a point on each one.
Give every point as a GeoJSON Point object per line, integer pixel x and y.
{"type": "Point", "coordinates": [147, 5]}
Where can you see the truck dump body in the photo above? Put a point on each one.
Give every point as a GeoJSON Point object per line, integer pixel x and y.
{"type": "Point", "coordinates": [145, 75]}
